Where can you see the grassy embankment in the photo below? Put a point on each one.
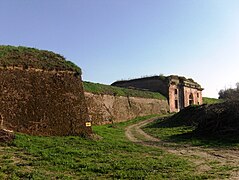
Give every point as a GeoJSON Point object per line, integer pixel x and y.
{"type": "Point", "coordinates": [207, 100]}
{"type": "Point", "coordinates": [35, 58]}
{"type": "Point", "coordinates": [97, 88]}
{"type": "Point", "coordinates": [113, 156]}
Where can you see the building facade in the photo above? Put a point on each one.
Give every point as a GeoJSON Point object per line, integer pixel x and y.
{"type": "Point", "coordinates": [180, 91]}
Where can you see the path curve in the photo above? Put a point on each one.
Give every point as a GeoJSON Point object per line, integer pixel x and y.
{"type": "Point", "coordinates": [197, 155]}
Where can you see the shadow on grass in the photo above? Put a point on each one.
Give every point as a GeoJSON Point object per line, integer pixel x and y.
{"type": "Point", "coordinates": [205, 141]}
{"type": "Point", "coordinates": [170, 129]}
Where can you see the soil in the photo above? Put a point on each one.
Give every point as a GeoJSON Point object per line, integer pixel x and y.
{"type": "Point", "coordinates": [201, 157]}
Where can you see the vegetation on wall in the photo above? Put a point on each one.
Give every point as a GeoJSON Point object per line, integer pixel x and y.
{"type": "Point", "coordinates": [31, 57]}
{"type": "Point", "coordinates": [116, 91]}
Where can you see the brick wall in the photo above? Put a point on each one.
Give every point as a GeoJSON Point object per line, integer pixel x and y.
{"type": "Point", "coordinates": [43, 102]}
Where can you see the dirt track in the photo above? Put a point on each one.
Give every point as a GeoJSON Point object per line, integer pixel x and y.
{"type": "Point", "coordinates": [201, 157]}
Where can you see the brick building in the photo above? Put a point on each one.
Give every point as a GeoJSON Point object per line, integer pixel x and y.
{"type": "Point", "coordinates": [180, 91]}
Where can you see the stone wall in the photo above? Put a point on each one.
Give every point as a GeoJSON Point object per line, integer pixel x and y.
{"type": "Point", "coordinates": [43, 102]}
{"type": "Point", "coordinates": [105, 109]}
{"type": "Point", "coordinates": [196, 96]}
{"type": "Point", "coordinates": [174, 98]}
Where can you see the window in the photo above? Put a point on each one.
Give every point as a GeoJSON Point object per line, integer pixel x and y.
{"type": "Point", "coordinates": [198, 95]}
{"type": "Point", "coordinates": [175, 91]}
{"type": "Point", "coordinates": [191, 102]}
{"type": "Point", "coordinates": [176, 104]}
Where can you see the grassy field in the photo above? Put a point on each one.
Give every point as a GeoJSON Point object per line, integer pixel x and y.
{"type": "Point", "coordinates": [207, 100]}
{"type": "Point", "coordinates": [110, 157]}
{"type": "Point", "coordinates": [97, 88]}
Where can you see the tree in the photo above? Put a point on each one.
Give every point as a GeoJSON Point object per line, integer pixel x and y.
{"type": "Point", "coordinates": [230, 94]}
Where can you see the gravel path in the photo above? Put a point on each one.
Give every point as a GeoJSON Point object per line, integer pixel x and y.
{"type": "Point", "coordinates": [201, 157]}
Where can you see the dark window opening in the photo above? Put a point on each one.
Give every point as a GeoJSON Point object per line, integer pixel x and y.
{"type": "Point", "coordinates": [175, 91]}
{"type": "Point", "coordinates": [176, 104]}
{"type": "Point", "coordinates": [198, 95]}
{"type": "Point", "coordinates": [191, 102]}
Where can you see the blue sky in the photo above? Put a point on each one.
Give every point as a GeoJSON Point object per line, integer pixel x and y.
{"type": "Point", "coordinates": [120, 39]}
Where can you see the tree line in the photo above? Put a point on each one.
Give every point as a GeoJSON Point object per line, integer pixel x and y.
{"type": "Point", "coordinates": [230, 93]}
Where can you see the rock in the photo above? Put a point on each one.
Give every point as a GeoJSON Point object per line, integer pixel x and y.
{"type": "Point", "coordinates": [6, 135]}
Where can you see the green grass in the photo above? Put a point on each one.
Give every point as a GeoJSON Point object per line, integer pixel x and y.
{"type": "Point", "coordinates": [97, 88]}
{"type": "Point", "coordinates": [32, 57]}
{"type": "Point", "coordinates": [171, 131]}
{"type": "Point", "coordinates": [207, 100]}
{"type": "Point", "coordinates": [112, 157]}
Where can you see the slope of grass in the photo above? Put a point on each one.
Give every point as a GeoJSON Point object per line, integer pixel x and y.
{"type": "Point", "coordinates": [207, 100]}
{"type": "Point", "coordinates": [31, 57]}
{"type": "Point", "coordinates": [112, 157]}
{"type": "Point", "coordinates": [169, 130]}
{"type": "Point", "coordinates": [97, 88]}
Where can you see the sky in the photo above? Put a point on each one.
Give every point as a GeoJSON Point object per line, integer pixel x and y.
{"type": "Point", "coordinates": [123, 39]}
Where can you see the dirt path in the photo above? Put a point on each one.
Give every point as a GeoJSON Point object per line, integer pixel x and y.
{"type": "Point", "coordinates": [205, 159]}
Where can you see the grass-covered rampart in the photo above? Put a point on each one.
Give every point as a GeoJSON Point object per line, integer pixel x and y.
{"type": "Point", "coordinates": [34, 58]}
{"type": "Point", "coordinates": [97, 88]}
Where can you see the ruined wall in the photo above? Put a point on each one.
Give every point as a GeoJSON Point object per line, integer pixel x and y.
{"type": "Point", "coordinates": [104, 109]}
{"type": "Point", "coordinates": [43, 102]}
{"type": "Point", "coordinates": [174, 101]}
{"type": "Point", "coordinates": [197, 96]}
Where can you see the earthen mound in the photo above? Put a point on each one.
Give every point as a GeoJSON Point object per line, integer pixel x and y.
{"type": "Point", "coordinates": [210, 120]}
{"type": "Point", "coordinates": [189, 116]}
{"type": "Point", "coordinates": [220, 119]}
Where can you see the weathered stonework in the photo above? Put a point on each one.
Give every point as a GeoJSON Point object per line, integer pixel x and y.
{"type": "Point", "coordinates": [105, 109]}
{"type": "Point", "coordinates": [180, 92]}
{"type": "Point", "coordinates": [42, 102]}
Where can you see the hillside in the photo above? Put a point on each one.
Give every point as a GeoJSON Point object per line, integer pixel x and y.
{"type": "Point", "coordinates": [207, 100]}
{"type": "Point", "coordinates": [33, 58]}
{"type": "Point", "coordinates": [97, 88]}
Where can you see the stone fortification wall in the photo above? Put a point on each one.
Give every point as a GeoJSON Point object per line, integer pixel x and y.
{"type": "Point", "coordinates": [43, 102]}
{"type": "Point", "coordinates": [105, 109]}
